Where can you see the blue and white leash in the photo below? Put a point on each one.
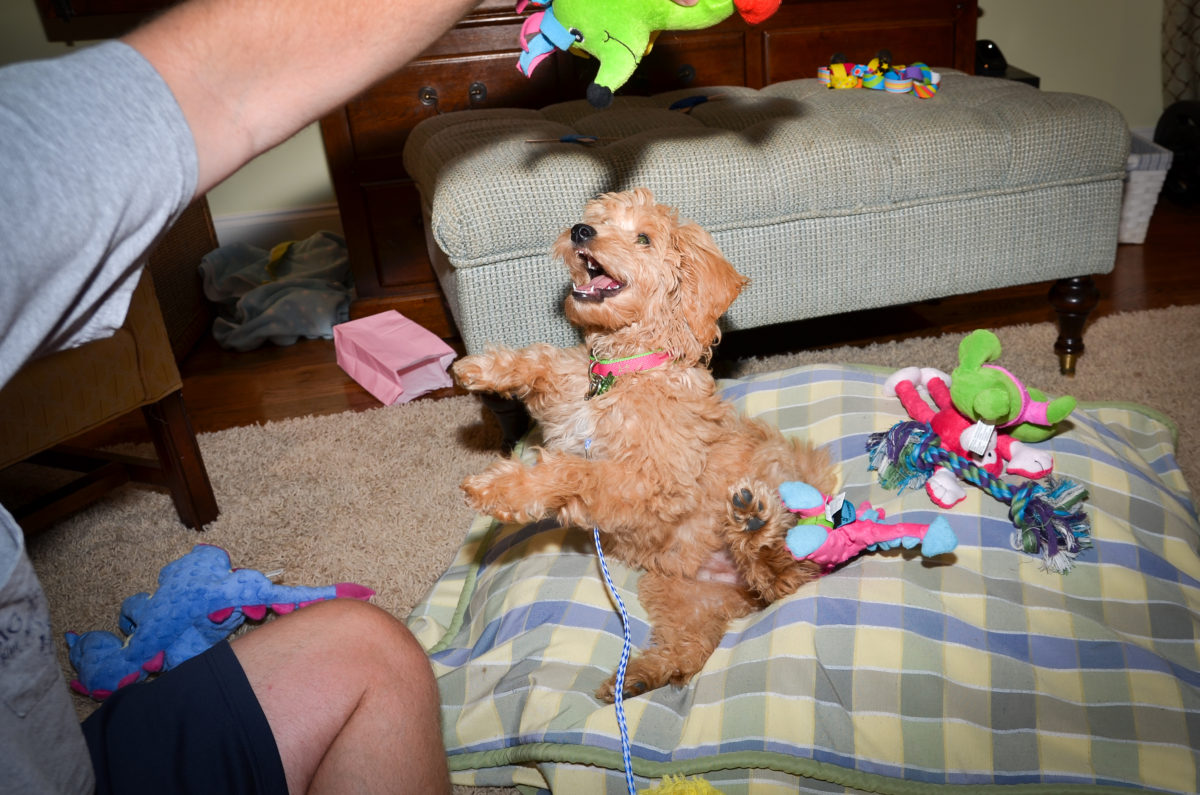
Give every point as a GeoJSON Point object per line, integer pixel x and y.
{"type": "Point", "coordinates": [619, 690]}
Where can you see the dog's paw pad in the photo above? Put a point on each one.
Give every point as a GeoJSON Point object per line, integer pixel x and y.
{"type": "Point", "coordinates": [748, 511]}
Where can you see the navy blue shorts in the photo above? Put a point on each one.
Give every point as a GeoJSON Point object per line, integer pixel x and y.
{"type": "Point", "coordinates": [196, 728]}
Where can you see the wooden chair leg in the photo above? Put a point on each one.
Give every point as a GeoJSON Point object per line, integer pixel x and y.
{"type": "Point", "coordinates": [183, 468]}
{"type": "Point", "coordinates": [1073, 300]}
{"type": "Point", "coordinates": [99, 479]}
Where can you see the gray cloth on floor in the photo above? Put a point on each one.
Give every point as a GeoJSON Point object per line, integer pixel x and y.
{"type": "Point", "coordinates": [279, 295]}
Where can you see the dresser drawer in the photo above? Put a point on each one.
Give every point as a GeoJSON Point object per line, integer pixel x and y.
{"type": "Point", "coordinates": [380, 119]}
{"type": "Point", "coordinates": [682, 60]}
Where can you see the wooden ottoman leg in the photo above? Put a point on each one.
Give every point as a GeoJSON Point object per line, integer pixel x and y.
{"type": "Point", "coordinates": [1073, 299]}
{"type": "Point", "coordinates": [179, 454]}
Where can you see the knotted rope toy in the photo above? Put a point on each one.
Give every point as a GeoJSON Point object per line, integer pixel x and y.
{"type": "Point", "coordinates": [1047, 518]}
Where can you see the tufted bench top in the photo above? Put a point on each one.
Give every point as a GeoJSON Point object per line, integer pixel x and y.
{"type": "Point", "coordinates": [499, 184]}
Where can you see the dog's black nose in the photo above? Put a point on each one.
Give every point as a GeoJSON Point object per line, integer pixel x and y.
{"type": "Point", "coordinates": [581, 233]}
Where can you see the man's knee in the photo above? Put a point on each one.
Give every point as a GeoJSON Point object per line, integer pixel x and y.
{"type": "Point", "coordinates": [367, 633]}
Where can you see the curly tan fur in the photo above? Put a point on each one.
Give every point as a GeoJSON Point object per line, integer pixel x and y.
{"type": "Point", "coordinates": [677, 482]}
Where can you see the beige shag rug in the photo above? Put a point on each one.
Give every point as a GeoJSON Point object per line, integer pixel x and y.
{"type": "Point", "coordinates": [372, 497]}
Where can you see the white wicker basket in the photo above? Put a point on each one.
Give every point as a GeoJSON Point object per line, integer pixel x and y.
{"type": "Point", "coordinates": [1144, 174]}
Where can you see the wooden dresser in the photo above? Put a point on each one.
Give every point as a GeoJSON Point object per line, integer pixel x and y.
{"type": "Point", "coordinates": [475, 66]}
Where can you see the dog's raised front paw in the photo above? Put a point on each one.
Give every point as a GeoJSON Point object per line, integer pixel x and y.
{"type": "Point", "coordinates": [490, 492]}
{"type": "Point", "coordinates": [469, 372]}
{"type": "Point", "coordinates": [757, 539]}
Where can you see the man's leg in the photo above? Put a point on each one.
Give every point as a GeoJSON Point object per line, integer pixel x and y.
{"type": "Point", "coordinates": [350, 698]}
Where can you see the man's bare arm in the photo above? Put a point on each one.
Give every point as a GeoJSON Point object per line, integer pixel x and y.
{"type": "Point", "coordinates": [249, 74]}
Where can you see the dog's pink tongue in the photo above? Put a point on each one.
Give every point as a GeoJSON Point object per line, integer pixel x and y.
{"type": "Point", "coordinates": [601, 282]}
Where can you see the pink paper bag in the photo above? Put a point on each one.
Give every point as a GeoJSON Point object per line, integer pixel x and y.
{"type": "Point", "coordinates": [392, 357]}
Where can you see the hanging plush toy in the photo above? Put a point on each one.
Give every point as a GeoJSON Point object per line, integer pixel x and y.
{"type": "Point", "coordinates": [619, 32]}
{"type": "Point", "coordinates": [200, 600]}
{"type": "Point", "coordinates": [830, 531]}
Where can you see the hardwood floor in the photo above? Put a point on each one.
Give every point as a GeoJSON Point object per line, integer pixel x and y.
{"type": "Point", "coordinates": [225, 389]}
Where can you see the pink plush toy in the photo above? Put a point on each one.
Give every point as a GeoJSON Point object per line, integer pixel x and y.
{"type": "Point", "coordinates": [831, 531]}
{"type": "Point", "coordinates": [996, 453]}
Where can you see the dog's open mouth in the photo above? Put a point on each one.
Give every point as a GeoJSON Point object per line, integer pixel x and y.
{"type": "Point", "coordinates": [599, 285]}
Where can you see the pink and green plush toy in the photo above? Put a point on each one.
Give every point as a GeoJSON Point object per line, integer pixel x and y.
{"type": "Point", "coordinates": [619, 33]}
{"type": "Point", "coordinates": [995, 453]}
{"type": "Point", "coordinates": [978, 429]}
{"type": "Point", "coordinates": [982, 413]}
{"type": "Point", "coordinates": [200, 600]}
{"type": "Point", "coordinates": [985, 392]}
{"type": "Point", "coordinates": [831, 531]}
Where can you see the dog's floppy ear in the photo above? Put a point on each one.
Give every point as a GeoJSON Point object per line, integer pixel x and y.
{"type": "Point", "coordinates": [708, 284]}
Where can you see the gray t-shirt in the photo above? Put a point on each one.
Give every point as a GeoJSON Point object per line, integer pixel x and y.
{"type": "Point", "coordinates": [96, 161]}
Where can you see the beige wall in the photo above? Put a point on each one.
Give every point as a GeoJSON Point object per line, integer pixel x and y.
{"type": "Point", "coordinates": [291, 176]}
{"type": "Point", "coordinates": [1105, 48]}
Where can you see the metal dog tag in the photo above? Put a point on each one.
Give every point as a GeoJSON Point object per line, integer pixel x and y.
{"type": "Point", "coordinates": [598, 384]}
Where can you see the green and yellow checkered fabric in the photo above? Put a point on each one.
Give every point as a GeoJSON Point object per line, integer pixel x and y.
{"type": "Point", "coordinates": [892, 674]}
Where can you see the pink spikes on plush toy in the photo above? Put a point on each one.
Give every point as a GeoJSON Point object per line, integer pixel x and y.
{"type": "Point", "coordinates": [992, 452]}
{"type": "Point", "coordinates": [200, 600]}
{"type": "Point", "coordinates": [831, 531]}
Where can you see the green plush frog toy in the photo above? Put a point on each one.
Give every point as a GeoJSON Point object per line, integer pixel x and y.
{"type": "Point", "coordinates": [619, 32]}
{"type": "Point", "coordinates": [985, 392]}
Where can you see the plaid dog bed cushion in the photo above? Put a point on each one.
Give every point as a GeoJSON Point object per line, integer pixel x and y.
{"type": "Point", "coordinates": [892, 674]}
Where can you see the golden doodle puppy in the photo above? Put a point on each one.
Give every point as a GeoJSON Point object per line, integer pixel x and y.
{"type": "Point", "coordinates": [638, 443]}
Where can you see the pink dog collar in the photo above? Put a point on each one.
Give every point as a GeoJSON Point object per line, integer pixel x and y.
{"type": "Point", "coordinates": [1035, 411]}
{"type": "Point", "coordinates": [603, 372]}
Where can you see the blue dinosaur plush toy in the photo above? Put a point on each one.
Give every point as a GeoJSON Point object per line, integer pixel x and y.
{"type": "Point", "coordinates": [200, 600]}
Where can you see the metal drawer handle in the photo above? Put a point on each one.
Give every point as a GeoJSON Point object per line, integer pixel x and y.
{"type": "Point", "coordinates": [477, 92]}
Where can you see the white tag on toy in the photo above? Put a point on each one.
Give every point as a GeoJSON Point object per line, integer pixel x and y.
{"type": "Point", "coordinates": [833, 508]}
{"type": "Point", "coordinates": [978, 438]}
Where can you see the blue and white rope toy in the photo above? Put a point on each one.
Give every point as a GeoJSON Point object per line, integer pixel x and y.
{"type": "Point", "coordinates": [1047, 518]}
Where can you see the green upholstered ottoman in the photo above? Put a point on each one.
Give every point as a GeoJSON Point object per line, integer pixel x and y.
{"type": "Point", "coordinates": [829, 200]}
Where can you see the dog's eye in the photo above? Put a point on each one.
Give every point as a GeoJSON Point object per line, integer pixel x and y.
{"type": "Point", "coordinates": [576, 34]}
{"type": "Point", "coordinates": [642, 239]}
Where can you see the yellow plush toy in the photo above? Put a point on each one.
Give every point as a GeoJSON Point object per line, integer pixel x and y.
{"type": "Point", "coordinates": [678, 785]}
